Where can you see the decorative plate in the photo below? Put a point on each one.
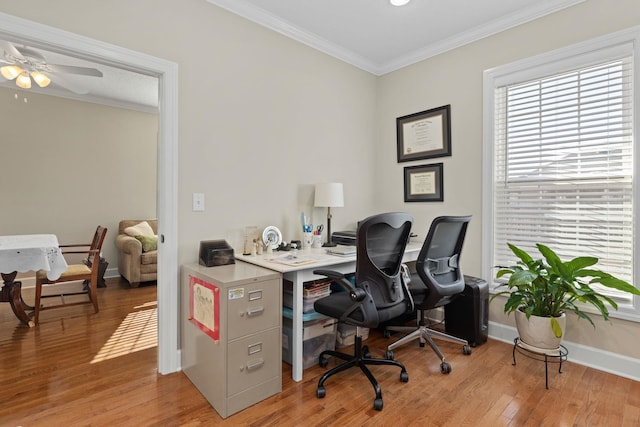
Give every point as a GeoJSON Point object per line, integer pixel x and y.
{"type": "Point", "coordinates": [273, 235]}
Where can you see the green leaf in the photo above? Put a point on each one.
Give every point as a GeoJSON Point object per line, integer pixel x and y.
{"type": "Point", "coordinates": [525, 257]}
{"type": "Point", "coordinates": [581, 262]}
{"type": "Point", "coordinates": [554, 260]}
{"type": "Point", "coordinates": [613, 282]}
{"type": "Point", "coordinates": [555, 326]}
{"type": "Point", "coordinates": [522, 277]}
{"type": "Point", "coordinates": [502, 272]}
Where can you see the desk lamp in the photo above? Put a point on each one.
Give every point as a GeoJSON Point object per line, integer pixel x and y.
{"type": "Point", "coordinates": [329, 195]}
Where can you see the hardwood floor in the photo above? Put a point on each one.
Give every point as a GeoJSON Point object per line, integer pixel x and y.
{"type": "Point", "coordinates": [78, 368]}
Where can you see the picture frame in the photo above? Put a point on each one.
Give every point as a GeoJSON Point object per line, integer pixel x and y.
{"type": "Point", "coordinates": [424, 135]}
{"type": "Point", "coordinates": [204, 307]}
{"type": "Point", "coordinates": [424, 183]}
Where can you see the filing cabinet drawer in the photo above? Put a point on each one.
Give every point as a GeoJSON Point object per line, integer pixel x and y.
{"type": "Point", "coordinates": [253, 307]}
{"type": "Point", "coordinates": [253, 360]}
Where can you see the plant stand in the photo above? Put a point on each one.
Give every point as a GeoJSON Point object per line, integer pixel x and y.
{"type": "Point", "coordinates": [551, 356]}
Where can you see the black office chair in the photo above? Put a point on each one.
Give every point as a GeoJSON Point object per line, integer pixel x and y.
{"type": "Point", "coordinates": [438, 280]}
{"type": "Point", "coordinates": [379, 293]}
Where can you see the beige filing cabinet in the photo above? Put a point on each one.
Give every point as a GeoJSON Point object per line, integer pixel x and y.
{"type": "Point", "coordinates": [244, 365]}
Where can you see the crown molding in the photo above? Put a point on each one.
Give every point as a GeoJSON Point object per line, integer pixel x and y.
{"type": "Point", "coordinates": [273, 22]}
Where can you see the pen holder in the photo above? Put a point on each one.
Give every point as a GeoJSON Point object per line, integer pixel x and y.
{"type": "Point", "coordinates": [307, 240]}
{"type": "Point", "coordinates": [317, 240]}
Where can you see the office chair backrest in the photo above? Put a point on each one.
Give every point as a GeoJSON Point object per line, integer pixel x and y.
{"type": "Point", "coordinates": [438, 263]}
{"type": "Point", "coordinates": [380, 242]}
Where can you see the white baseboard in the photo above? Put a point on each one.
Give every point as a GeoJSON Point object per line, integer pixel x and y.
{"type": "Point", "coordinates": [602, 360]}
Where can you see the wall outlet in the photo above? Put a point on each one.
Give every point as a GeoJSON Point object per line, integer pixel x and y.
{"type": "Point", "coordinates": [198, 202]}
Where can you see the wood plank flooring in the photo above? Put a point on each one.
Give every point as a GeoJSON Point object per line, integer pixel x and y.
{"type": "Point", "coordinates": [83, 369]}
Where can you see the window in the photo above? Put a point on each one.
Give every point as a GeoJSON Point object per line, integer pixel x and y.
{"type": "Point", "coordinates": [559, 158]}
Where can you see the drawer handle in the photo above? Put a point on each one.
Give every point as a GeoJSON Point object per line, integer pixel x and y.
{"type": "Point", "coordinates": [255, 311]}
{"type": "Point", "coordinates": [255, 295]}
{"type": "Point", "coordinates": [254, 365]}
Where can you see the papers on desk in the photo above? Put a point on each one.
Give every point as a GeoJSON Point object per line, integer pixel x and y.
{"type": "Point", "coordinates": [293, 260]}
{"type": "Point", "coordinates": [342, 250]}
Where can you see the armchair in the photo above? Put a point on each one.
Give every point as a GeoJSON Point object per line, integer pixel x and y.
{"type": "Point", "coordinates": [135, 263]}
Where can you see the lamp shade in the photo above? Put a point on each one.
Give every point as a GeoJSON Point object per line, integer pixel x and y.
{"type": "Point", "coordinates": [10, 72]}
{"type": "Point", "coordinates": [23, 80]}
{"type": "Point", "coordinates": [329, 194]}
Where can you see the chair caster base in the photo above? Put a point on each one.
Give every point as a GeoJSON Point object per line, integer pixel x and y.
{"type": "Point", "coordinates": [377, 404]}
{"type": "Point", "coordinates": [321, 392]}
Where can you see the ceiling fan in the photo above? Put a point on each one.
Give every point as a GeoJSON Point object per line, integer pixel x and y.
{"type": "Point", "coordinates": [24, 64]}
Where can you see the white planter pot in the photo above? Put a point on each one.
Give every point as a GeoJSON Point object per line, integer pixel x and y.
{"type": "Point", "coordinates": [537, 332]}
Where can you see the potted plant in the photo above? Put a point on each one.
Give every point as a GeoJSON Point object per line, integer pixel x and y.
{"type": "Point", "coordinates": [545, 289]}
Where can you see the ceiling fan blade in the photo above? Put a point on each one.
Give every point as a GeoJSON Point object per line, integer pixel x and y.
{"type": "Point", "coordinates": [9, 48]}
{"type": "Point", "coordinates": [72, 69]}
{"type": "Point", "coordinates": [62, 82]}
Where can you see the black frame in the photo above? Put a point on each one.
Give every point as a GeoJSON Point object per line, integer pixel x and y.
{"type": "Point", "coordinates": [410, 193]}
{"type": "Point", "coordinates": [442, 146]}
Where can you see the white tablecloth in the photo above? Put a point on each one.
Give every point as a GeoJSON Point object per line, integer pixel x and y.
{"type": "Point", "coordinates": [32, 252]}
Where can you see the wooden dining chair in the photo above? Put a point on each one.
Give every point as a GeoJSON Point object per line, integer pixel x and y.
{"type": "Point", "coordinates": [86, 273]}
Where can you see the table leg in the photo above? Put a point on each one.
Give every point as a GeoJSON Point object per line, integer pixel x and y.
{"type": "Point", "coordinates": [297, 327]}
{"type": "Point", "coordinates": [12, 293]}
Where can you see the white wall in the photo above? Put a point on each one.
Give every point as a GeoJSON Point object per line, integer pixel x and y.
{"type": "Point", "coordinates": [69, 166]}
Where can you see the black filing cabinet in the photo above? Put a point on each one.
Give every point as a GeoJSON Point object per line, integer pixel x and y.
{"type": "Point", "coordinates": [467, 317]}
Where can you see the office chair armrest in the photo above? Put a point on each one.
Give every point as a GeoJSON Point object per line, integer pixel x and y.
{"type": "Point", "coordinates": [405, 278]}
{"type": "Point", "coordinates": [356, 294]}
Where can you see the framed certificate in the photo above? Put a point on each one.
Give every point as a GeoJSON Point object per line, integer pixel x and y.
{"type": "Point", "coordinates": [423, 183]}
{"type": "Point", "coordinates": [424, 135]}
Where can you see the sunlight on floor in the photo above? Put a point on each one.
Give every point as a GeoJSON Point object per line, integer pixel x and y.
{"type": "Point", "coordinates": [138, 331]}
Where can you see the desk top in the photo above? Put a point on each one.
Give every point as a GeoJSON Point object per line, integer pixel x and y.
{"type": "Point", "coordinates": [303, 259]}
{"type": "Point", "coordinates": [32, 252]}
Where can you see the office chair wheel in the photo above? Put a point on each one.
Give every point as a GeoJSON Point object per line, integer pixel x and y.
{"type": "Point", "coordinates": [321, 391]}
{"type": "Point", "coordinates": [323, 362]}
{"type": "Point", "coordinates": [377, 404]}
{"type": "Point", "coordinates": [365, 352]}
{"type": "Point", "coordinates": [445, 368]}
{"type": "Point", "coordinates": [466, 350]}
{"type": "Point", "coordinates": [404, 376]}
{"type": "Point", "coordinates": [388, 355]}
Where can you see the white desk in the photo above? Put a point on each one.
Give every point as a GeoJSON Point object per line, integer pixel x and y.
{"type": "Point", "coordinates": [299, 274]}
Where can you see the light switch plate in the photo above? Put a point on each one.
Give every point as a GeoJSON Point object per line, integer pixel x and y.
{"type": "Point", "coordinates": [198, 202]}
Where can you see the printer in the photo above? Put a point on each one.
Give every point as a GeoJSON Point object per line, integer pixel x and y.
{"type": "Point", "coordinates": [347, 238]}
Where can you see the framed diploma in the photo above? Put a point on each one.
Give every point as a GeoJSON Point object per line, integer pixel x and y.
{"type": "Point", "coordinates": [423, 183]}
{"type": "Point", "coordinates": [424, 135]}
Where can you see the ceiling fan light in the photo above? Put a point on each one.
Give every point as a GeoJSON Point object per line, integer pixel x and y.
{"type": "Point", "coordinates": [23, 80]}
{"type": "Point", "coordinates": [10, 72]}
{"type": "Point", "coordinates": [41, 79]}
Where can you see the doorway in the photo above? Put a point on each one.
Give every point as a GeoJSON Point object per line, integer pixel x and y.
{"type": "Point", "coordinates": [167, 73]}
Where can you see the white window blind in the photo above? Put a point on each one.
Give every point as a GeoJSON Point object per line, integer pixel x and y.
{"type": "Point", "coordinates": [563, 167]}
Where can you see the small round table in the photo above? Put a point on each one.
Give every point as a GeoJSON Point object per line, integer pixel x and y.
{"type": "Point", "coordinates": [549, 356]}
